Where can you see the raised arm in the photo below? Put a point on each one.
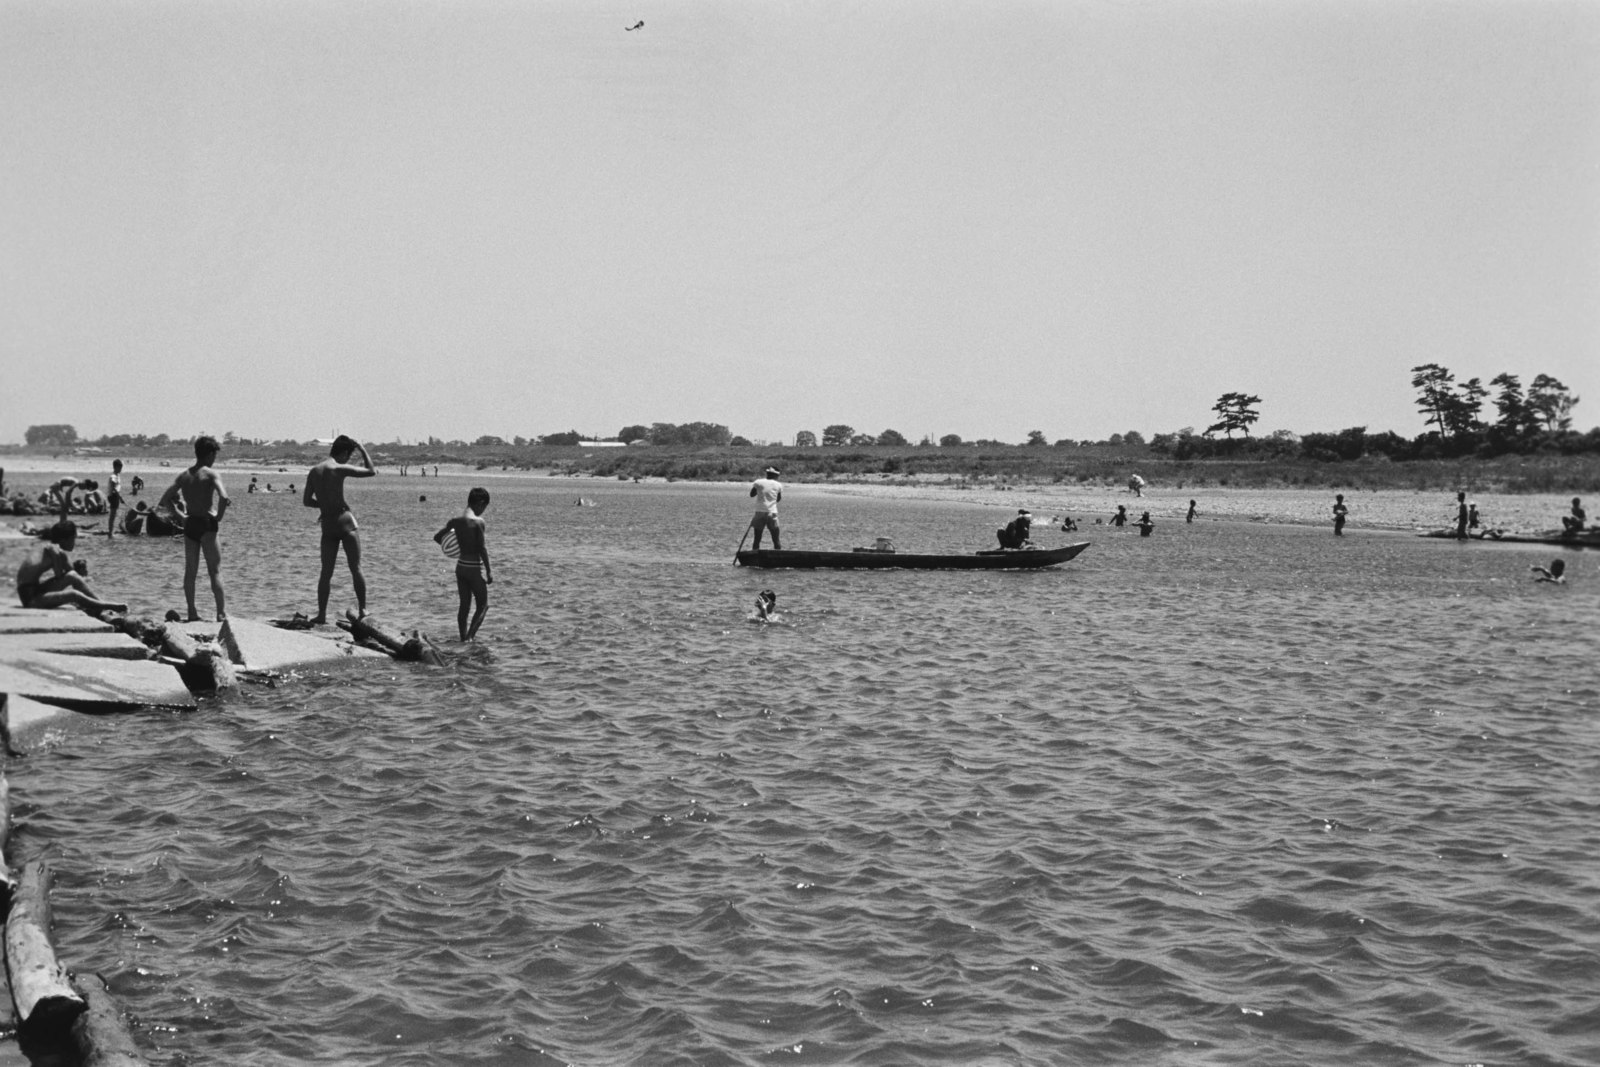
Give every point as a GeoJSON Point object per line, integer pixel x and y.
{"type": "Point", "coordinates": [366, 470]}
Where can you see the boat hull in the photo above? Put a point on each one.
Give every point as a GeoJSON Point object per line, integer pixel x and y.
{"type": "Point", "coordinates": [993, 560]}
{"type": "Point", "coordinates": [1554, 538]}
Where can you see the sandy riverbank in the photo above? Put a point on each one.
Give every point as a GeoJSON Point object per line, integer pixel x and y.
{"type": "Point", "coordinates": [1389, 509]}
{"type": "Point", "coordinates": [1373, 509]}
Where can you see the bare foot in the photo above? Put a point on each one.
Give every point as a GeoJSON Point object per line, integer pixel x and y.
{"type": "Point", "coordinates": [320, 620]}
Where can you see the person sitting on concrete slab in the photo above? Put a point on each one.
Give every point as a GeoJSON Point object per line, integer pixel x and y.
{"type": "Point", "coordinates": [46, 578]}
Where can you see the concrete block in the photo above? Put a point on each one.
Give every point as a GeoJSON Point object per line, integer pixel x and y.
{"type": "Point", "coordinates": [261, 646]}
{"type": "Point", "coordinates": [91, 681]}
{"type": "Point", "coordinates": [20, 620]}
{"type": "Point", "coordinates": [109, 644]}
{"type": "Point", "coordinates": [32, 725]}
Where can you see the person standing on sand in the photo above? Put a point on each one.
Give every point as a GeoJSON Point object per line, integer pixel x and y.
{"type": "Point", "coordinates": [1461, 516]}
{"type": "Point", "coordinates": [1190, 517]}
{"type": "Point", "coordinates": [768, 491]}
{"type": "Point", "coordinates": [473, 576]}
{"type": "Point", "coordinates": [325, 490]}
{"type": "Point", "coordinates": [1339, 513]}
{"type": "Point", "coordinates": [204, 501]}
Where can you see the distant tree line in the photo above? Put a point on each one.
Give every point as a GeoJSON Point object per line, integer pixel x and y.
{"type": "Point", "coordinates": [1535, 419]}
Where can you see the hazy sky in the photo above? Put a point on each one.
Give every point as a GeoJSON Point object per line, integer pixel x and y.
{"type": "Point", "coordinates": [397, 219]}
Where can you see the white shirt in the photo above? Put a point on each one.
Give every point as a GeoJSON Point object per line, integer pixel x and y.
{"type": "Point", "coordinates": [767, 492]}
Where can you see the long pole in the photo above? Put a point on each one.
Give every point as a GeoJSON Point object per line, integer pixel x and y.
{"type": "Point", "coordinates": [747, 529]}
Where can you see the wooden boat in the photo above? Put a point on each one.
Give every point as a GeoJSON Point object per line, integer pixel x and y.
{"type": "Point", "coordinates": [1556, 538]}
{"type": "Point", "coordinates": [997, 559]}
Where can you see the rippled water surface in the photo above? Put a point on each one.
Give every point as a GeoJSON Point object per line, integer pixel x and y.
{"type": "Point", "coordinates": [1233, 794]}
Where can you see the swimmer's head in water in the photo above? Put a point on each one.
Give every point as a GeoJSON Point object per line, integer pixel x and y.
{"type": "Point", "coordinates": [1558, 567]}
{"type": "Point", "coordinates": [767, 597]}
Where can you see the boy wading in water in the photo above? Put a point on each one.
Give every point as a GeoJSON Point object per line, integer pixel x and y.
{"type": "Point", "coordinates": [325, 490]}
{"type": "Point", "coordinates": [473, 576]}
{"type": "Point", "coordinates": [203, 501]}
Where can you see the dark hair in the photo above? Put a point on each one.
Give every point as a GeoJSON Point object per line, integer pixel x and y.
{"type": "Point", "coordinates": [65, 530]}
{"type": "Point", "coordinates": [205, 443]}
{"type": "Point", "coordinates": [343, 443]}
{"type": "Point", "coordinates": [477, 496]}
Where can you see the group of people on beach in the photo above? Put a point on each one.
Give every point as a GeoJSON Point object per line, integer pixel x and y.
{"type": "Point", "coordinates": [199, 501]}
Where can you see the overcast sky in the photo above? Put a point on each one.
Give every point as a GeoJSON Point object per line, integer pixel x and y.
{"type": "Point", "coordinates": [397, 219]}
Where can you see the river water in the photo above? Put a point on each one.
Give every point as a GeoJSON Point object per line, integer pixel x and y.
{"type": "Point", "coordinates": [1233, 794]}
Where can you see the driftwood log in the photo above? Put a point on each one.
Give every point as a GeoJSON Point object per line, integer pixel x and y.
{"type": "Point", "coordinates": [8, 885]}
{"type": "Point", "coordinates": [205, 667]}
{"type": "Point", "coordinates": [44, 998]}
{"type": "Point", "coordinates": [100, 1033]}
{"type": "Point", "coordinates": [413, 649]}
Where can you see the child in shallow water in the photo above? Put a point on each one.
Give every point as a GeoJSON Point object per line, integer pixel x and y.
{"type": "Point", "coordinates": [1557, 572]}
{"type": "Point", "coordinates": [766, 607]}
{"type": "Point", "coordinates": [463, 537]}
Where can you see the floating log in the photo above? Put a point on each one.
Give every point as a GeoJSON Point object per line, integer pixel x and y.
{"type": "Point", "coordinates": [205, 667]}
{"type": "Point", "coordinates": [101, 1034]}
{"type": "Point", "coordinates": [413, 649]}
{"type": "Point", "coordinates": [44, 998]}
{"type": "Point", "coordinates": [8, 885]}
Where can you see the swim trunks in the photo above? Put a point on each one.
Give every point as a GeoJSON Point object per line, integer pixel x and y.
{"type": "Point", "coordinates": [195, 527]}
{"type": "Point", "coordinates": [469, 566]}
{"type": "Point", "coordinates": [341, 524]}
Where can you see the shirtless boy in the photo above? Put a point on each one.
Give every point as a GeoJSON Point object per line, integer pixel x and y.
{"type": "Point", "coordinates": [473, 576]}
{"type": "Point", "coordinates": [203, 500]}
{"type": "Point", "coordinates": [325, 490]}
{"type": "Point", "coordinates": [46, 578]}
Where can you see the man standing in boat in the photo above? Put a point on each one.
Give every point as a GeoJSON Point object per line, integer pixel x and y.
{"type": "Point", "coordinates": [767, 491]}
{"type": "Point", "coordinates": [325, 490]}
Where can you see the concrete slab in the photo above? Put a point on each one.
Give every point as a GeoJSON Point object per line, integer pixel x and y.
{"type": "Point", "coordinates": [32, 725]}
{"type": "Point", "coordinates": [109, 644]}
{"type": "Point", "coordinates": [261, 646]}
{"type": "Point", "coordinates": [19, 620]}
{"type": "Point", "coordinates": [92, 681]}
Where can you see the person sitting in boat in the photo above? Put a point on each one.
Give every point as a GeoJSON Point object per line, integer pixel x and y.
{"type": "Point", "coordinates": [47, 578]}
{"type": "Point", "coordinates": [1557, 572]}
{"type": "Point", "coordinates": [1573, 524]}
{"type": "Point", "coordinates": [1014, 534]}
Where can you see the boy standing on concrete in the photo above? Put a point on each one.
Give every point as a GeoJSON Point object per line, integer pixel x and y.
{"type": "Point", "coordinates": [325, 490]}
{"type": "Point", "coordinates": [203, 501]}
